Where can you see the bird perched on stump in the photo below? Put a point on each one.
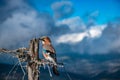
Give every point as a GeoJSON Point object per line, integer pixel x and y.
{"type": "Point", "coordinates": [49, 53]}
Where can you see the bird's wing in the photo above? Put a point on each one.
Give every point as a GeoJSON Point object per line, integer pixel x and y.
{"type": "Point", "coordinates": [49, 48]}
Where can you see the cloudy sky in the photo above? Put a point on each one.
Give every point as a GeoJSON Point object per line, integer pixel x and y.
{"type": "Point", "coordinates": [76, 27]}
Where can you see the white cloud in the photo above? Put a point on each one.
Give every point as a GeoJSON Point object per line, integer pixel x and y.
{"type": "Point", "coordinates": [96, 31]}
{"type": "Point", "coordinates": [93, 32]}
{"type": "Point", "coordinates": [74, 23]}
{"type": "Point", "coordinates": [72, 38]}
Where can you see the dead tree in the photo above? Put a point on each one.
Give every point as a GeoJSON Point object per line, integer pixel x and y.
{"type": "Point", "coordinates": [31, 57]}
{"type": "Point", "coordinates": [33, 71]}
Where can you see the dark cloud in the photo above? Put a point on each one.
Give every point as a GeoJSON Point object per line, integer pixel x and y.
{"type": "Point", "coordinates": [23, 26]}
{"type": "Point", "coordinates": [19, 22]}
{"type": "Point", "coordinates": [108, 41]}
{"type": "Point", "coordinates": [62, 9]}
{"type": "Point", "coordinates": [92, 64]}
{"type": "Point", "coordinates": [23, 23]}
{"type": "Point", "coordinates": [8, 7]}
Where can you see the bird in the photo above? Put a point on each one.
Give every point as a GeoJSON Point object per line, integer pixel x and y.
{"type": "Point", "coordinates": [49, 53]}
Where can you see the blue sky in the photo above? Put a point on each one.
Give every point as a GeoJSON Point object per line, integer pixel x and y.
{"type": "Point", "coordinates": [107, 10]}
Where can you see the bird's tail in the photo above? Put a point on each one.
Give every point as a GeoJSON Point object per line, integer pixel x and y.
{"type": "Point", "coordinates": [55, 71]}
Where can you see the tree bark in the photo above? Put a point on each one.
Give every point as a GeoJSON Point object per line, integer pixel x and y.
{"type": "Point", "coordinates": [33, 68]}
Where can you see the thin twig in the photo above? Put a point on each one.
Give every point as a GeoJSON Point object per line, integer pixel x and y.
{"type": "Point", "coordinates": [22, 70]}
{"type": "Point", "coordinates": [11, 70]}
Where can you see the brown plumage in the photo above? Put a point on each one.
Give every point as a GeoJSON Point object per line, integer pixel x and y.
{"type": "Point", "coordinates": [49, 53]}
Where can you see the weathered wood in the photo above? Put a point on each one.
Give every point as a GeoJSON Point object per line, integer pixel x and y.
{"type": "Point", "coordinates": [34, 56]}
{"type": "Point", "coordinates": [30, 77]}
{"type": "Point", "coordinates": [14, 52]}
{"type": "Point", "coordinates": [36, 51]}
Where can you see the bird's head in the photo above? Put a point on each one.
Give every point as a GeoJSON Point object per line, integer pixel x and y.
{"type": "Point", "coordinates": [45, 40]}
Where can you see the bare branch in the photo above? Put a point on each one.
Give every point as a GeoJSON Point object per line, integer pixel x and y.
{"type": "Point", "coordinates": [12, 51]}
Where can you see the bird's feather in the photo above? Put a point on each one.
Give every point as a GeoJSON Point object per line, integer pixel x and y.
{"type": "Point", "coordinates": [49, 48]}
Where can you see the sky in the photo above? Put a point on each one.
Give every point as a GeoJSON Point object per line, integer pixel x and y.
{"type": "Point", "coordinates": [104, 10]}
{"type": "Point", "coordinates": [76, 27]}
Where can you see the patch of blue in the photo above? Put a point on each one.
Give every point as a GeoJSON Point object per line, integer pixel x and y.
{"type": "Point", "coordinates": [108, 9]}
{"type": "Point", "coordinates": [44, 50]}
